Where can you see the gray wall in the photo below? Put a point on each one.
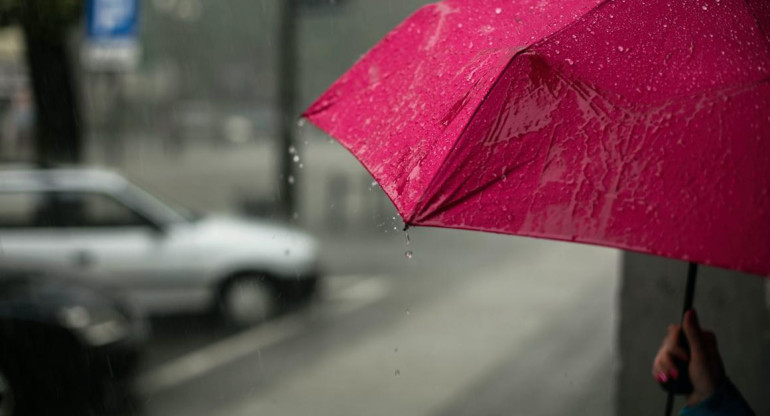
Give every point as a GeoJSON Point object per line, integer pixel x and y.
{"type": "Point", "coordinates": [734, 305]}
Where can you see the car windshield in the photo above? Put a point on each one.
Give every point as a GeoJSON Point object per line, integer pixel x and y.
{"type": "Point", "coordinates": [385, 207]}
{"type": "Point", "coordinates": [158, 209]}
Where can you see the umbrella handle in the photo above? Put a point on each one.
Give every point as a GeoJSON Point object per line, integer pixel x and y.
{"type": "Point", "coordinates": [682, 385]}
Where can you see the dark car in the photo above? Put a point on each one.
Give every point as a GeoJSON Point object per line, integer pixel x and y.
{"type": "Point", "coordinates": [65, 346]}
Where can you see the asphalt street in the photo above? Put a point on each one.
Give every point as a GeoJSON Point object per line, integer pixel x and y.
{"type": "Point", "coordinates": [472, 324]}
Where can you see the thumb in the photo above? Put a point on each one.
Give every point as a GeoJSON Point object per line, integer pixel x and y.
{"type": "Point", "coordinates": [693, 332]}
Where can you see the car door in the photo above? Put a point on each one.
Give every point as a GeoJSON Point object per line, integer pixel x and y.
{"type": "Point", "coordinates": [29, 231]}
{"type": "Point", "coordinates": [157, 266]}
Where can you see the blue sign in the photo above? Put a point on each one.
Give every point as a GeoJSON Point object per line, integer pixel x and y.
{"type": "Point", "coordinates": [111, 42]}
{"type": "Point", "coordinates": [108, 20]}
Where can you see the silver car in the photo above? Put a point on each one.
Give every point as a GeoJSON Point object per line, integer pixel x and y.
{"type": "Point", "coordinates": [168, 261]}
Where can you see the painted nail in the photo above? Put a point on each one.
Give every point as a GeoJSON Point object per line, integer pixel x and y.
{"type": "Point", "coordinates": [663, 377]}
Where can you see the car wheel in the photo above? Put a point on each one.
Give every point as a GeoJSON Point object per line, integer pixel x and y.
{"type": "Point", "coordinates": [246, 301]}
{"type": "Point", "coordinates": [7, 397]}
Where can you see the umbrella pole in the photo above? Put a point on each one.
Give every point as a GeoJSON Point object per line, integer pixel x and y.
{"type": "Point", "coordinates": [689, 294]}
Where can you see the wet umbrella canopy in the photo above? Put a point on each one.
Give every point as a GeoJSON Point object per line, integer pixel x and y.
{"type": "Point", "coordinates": [641, 125]}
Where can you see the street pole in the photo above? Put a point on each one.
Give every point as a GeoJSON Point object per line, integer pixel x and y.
{"type": "Point", "coordinates": [287, 93]}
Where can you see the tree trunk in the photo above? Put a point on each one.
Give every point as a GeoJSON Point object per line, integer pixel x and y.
{"type": "Point", "coordinates": [58, 136]}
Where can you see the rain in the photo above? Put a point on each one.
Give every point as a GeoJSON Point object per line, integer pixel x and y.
{"type": "Point", "coordinates": [354, 207]}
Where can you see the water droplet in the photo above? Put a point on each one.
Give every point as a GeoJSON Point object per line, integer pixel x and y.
{"type": "Point", "coordinates": [296, 158]}
{"type": "Point", "coordinates": [408, 312]}
{"type": "Point", "coordinates": [398, 372]}
{"type": "Point", "coordinates": [570, 61]}
{"type": "Point", "coordinates": [498, 10]}
{"type": "Point", "coordinates": [409, 255]}
{"type": "Point", "coordinates": [292, 150]}
{"type": "Point", "coordinates": [301, 122]}
{"type": "Point", "coordinates": [290, 179]}
{"type": "Point", "coordinates": [301, 165]}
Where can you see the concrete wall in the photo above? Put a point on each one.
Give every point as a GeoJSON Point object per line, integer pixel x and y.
{"type": "Point", "coordinates": [734, 305]}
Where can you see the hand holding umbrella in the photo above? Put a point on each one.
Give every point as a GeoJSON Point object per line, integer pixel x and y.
{"type": "Point", "coordinates": [711, 388]}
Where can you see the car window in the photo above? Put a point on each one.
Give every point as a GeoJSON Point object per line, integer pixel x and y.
{"type": "Point", "coordinates": [83, 209]}
{"type": "Point", "coordinates": [25, 209]}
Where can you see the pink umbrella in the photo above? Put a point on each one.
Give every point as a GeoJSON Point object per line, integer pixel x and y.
{"type": "Point", "coordinates": [640, 125]}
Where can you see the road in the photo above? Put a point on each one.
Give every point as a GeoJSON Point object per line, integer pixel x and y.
{"type": "Point", "coordinates": [472, 324]}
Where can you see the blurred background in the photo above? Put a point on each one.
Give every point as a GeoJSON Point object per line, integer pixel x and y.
{"type": "Point", "coordinates": [175, 240]}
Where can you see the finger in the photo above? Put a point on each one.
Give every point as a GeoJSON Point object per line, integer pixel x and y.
{"type": "Point", "coordinates": [710, 343]}
{"type": "Point", "coordinates": [672, 336]}
{"type": "Point", "coordinates": [671, 343]}
{"type": "Point", "coordinates": [678, 352]}
{"type": "Point", "coordinates": [663, 368]}
{"type": "Point", "coordinates": [693, 332]}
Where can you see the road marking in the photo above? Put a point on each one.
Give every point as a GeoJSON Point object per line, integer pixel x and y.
{"type": "Point", "coordinates": [357, 295]}
{"type": "Point", "coordinates": [345, 294]}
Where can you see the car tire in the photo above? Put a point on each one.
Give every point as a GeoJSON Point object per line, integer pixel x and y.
{"type": "Point", "coordinates": [247, 300]}
{"type": "Point", "coordinates": [7, 395]}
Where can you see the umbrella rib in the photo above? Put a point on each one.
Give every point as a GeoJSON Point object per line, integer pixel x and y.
{"type": "Point", "coordinates": [423, 201]}
{"type": "Point", "coordinates": [446, 206]}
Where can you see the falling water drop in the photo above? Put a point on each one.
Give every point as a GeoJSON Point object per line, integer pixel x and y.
{"type": "Point", "coordinates": [301, 122]}
{"type": "Point", "coordinates": [290, 179]}
{"type": "Point", "coordinates": [292, 150]}
{"type": "Point", "coordinates": [409, 255]}
{"type": "Point", "coordinates": [296, 158]}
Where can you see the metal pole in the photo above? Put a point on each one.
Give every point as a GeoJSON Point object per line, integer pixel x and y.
{"type": "Point", "coordinates": [689, 294]}
{"type": "Point", "coordinates": [287, 86]}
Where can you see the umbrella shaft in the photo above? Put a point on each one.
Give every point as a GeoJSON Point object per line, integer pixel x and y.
{"type": "Point", "coordinates": [689, 294]}
{"type": "Point", "coordinates": [692, 274]}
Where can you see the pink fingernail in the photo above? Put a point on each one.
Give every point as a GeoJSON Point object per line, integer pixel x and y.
{"type": "Point", "coordinates": [663, 377]}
